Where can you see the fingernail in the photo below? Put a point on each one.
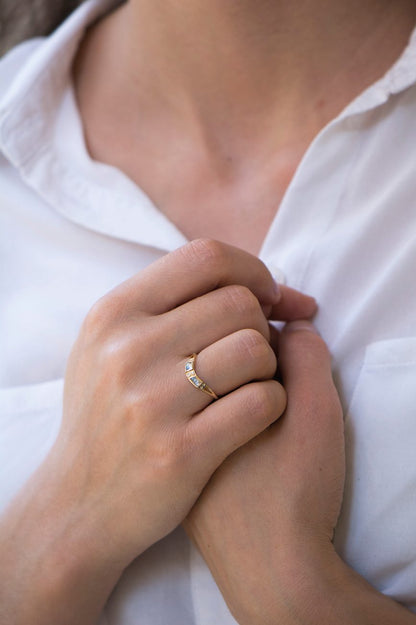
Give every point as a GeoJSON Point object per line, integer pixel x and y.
{"type": "Point", "coordinates": [277, 292]}
{"type": "Point", "coordinates": [299, 326]}
{"type": "Point", "coordinates": [277, 273]}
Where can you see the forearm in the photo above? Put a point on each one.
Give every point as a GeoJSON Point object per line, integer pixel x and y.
{"type": "Point", "coordinates": [326, 591]}
{"type": "Point", "coordinates": [354, 601]}
{"type": "Point", "coordinates": [54, 568]}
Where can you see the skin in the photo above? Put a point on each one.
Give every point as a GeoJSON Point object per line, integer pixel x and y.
{"type": "Point", "coordinates": [138, 443]}
{"type": "Point", "coordinates": [218, 110]}
{"type": "Point", "coordinates": [210, 130]}
{"type": "Point", "coordinates": [221, 99]}
{"type": "Point", "coordinates": [265, 522]}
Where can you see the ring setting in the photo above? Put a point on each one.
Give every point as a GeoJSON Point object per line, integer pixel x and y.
{"type": "Point", "coordinates": [195, 380]}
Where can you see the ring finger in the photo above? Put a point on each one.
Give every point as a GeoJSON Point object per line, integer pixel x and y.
{"type": "Point", "coordinates": [237, 359]}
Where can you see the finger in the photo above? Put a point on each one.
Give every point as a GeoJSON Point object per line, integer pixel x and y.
{"type": "Point", "coordinates": [238, 359]}
{"type": "Point", "coordinates": [292, 305]}
{"type": "Point", "coordinates": [304, 358]}
{"type": "Point", "coordinates": [191, 271]}
{"type": "Point", "coordinates": [235, 419]}
{"type": "Point", "coordinates": [305, 367]}
{"type": "Point", "coordinates": [209, 318]}
{"type": "Point", "coordinates": [235, 360]}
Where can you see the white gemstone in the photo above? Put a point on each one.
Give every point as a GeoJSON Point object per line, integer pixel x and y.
{"type": "Point", "coordinates": [188, 366]}
{"type": "Point", "coordinates": [196, 381]}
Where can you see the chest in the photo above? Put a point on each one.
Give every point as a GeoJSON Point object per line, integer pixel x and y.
{"type": "Point", "coordinates": [239, 217]}
{"type": "Point", "coordinates": [218, 197]}
{"type": "Point", "coordinates": [237, 210]}
{"type": "Point", "coordinates": [342, 234]}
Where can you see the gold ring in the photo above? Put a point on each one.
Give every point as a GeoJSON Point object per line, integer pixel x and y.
{"type": "Point", "coordinates": [195, 380]}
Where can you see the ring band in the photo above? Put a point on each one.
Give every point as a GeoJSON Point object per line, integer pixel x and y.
{"type": "Point", "coordinates": [195, 380]}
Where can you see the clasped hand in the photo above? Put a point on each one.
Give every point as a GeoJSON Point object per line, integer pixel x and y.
{"type": "Point", "coordinates": [265, 522]}
{"type": "Point", "coordinates": [138, 444]}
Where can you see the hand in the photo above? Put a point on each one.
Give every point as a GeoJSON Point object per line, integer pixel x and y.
{"type": "Point", "coordinates": [273, 505]}
{"type": "Point", "coordinates": [130, 437]}
{"type": "Point", "coordinates": [138, 443]}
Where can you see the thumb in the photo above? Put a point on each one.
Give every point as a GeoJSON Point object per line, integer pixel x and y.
{"type": "Point", "coordinates": [313, 422]}
{"type": "Point", "coordinates": [313, 431]}
{"type": "Point", "coordinates": [305, 367]}
{"type": "Point", "coordinates": [292, 305]}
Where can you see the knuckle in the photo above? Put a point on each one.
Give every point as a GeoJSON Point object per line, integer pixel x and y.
{"type": "Point", "coordinates": [206, 252]}
{"type": "Point", "coordinates": [100, 317]}
{"type": "Point", "coordinates": [112, 363]}
{"type": "Point", "coordinates": [126, 352]}
{"type": "Point", "coordinates": [267, 400]}
{"type": "Point", "coordinates": [253, 344]}
{"type": "Point", "coordinates": [112, 332]}
{"type": "Point", "coordinates": [241, 298]}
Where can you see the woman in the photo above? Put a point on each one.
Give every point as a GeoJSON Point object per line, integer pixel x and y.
{"type": "Point", "coordinates": [208, 114]}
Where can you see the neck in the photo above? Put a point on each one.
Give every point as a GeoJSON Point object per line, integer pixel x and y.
{"type": "Point", "coordinates": [228, 69]}
{"type": "Point", "coordinates": [209, 106]}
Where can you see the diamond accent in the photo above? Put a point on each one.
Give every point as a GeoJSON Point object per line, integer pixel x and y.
{"type": "Point", "coordinates": [195, 380]}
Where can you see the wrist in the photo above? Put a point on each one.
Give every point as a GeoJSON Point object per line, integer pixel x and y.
{"type": "Point", "coordinates": [310, 584]}
{"type": "Point", "coordinates": [314, 586]}
{"type": "Point", "coordinates": [301, 577]}
{"type": "Point", "coordinates": [53, 555]}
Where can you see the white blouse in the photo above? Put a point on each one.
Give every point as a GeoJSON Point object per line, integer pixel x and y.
{"type": "Point", "coordinates": [72, 228]}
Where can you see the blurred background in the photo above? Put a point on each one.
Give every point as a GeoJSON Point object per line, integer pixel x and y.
{"type": "Point", "coordinates": [21, 19]}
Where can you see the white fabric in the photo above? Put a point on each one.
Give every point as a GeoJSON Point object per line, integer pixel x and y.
{"type": "Point", "coordinates": [72, 228]}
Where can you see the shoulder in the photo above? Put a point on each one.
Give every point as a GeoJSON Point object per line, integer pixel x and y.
{"type": "Point", "coordinates": [12, 62]}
